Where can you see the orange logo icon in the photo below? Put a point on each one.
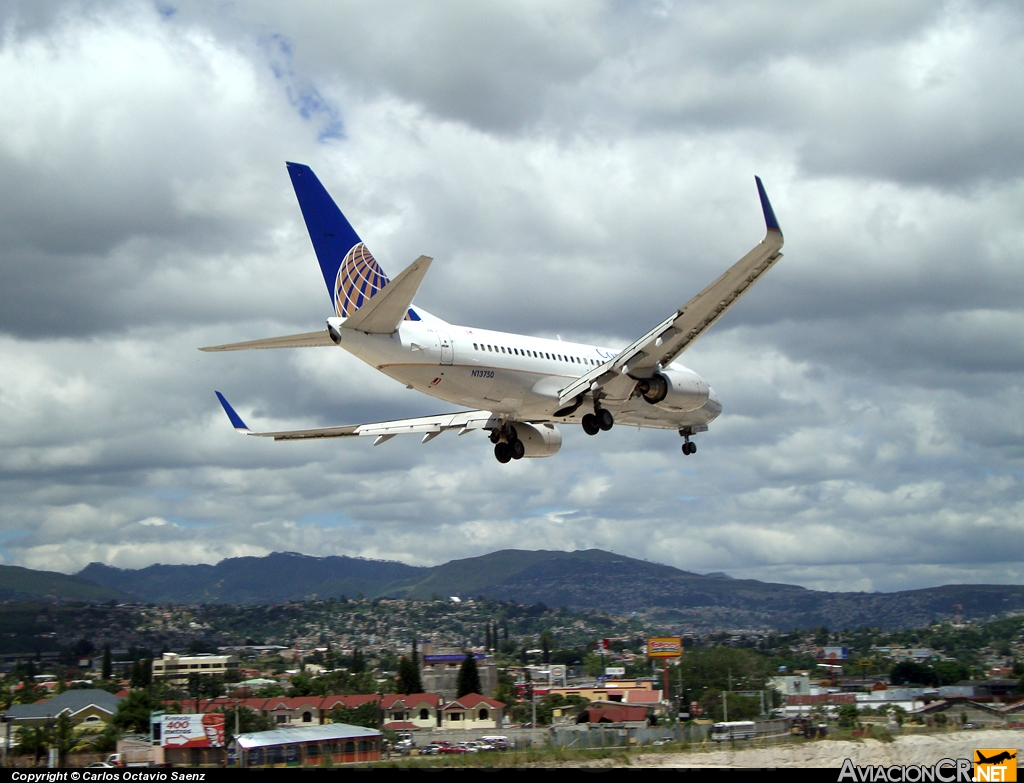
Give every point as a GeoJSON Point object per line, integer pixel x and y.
{"type": "Point", "coordinates": [995, 764]}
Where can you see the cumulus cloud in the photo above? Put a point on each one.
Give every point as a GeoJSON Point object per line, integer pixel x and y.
{"type": "Point", "coordinates": [579, 171]}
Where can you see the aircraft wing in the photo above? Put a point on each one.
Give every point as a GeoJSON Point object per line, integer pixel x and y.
{"type": "Point", "coordinates": [307, 340]}
{"type": "Point", "coordinates": [665, 342]}
{"type": "Point", "coordinates": [429, 426]}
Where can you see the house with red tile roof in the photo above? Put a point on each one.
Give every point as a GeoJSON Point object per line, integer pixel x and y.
{"type": "Point", "coordinates": [472, 711]}
{"type": "Point", "coordinates": [416, 710]}
{"type": "Point", "coordinates": [285, 710]}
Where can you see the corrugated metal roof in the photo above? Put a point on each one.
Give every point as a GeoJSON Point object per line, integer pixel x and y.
{"type": "Point", "coordinates": [290, 736]}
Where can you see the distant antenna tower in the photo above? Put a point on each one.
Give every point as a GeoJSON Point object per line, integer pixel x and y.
{"type": "Point", "coordinates": [958, 614]}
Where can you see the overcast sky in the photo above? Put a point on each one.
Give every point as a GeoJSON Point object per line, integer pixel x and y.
{"type": "Point", "coordinates": [576, 169]}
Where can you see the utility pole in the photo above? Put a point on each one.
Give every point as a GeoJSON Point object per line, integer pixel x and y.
{"type": "Point", "coordinates": [725, 706]}
{"type": "Point", "coordinates": [533, 705]}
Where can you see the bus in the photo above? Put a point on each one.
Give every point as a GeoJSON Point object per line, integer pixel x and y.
{"type": "Point", "coordinates": [733, 730]}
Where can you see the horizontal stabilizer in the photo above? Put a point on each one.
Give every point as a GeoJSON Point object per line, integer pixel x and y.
{"type": "Point", "coordinates": [385, 310]}
{"type": "Point", "coordinates": [307, 340]}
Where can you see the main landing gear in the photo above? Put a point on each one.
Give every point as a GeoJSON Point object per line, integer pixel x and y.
{"type": "Point", "coordinates": [507, 445]}
{"type": "Point", "coordinates": [688, 447]}
{"type": "Point", "coordinates": [600, 419]}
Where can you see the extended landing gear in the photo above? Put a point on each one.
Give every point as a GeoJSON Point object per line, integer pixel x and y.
{"type": "Point", "coordinates": [688, 447]}
{"type": "Point", "coordinates": [507, 445]}
{"type": "Point", "coordinates": [600, 419]}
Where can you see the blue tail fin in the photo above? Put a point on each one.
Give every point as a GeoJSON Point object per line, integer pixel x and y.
{"type": "Point", "coordinates": [350, 271]}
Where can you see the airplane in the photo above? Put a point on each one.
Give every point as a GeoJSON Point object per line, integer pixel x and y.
{"type": "Point", "coordinates": [999, 758]}
{"type": "Point", "coordinates": [518, 387]}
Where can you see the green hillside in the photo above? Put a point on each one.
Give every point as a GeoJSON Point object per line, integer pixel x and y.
{"type": "Point", "coordinates": [22, 583]}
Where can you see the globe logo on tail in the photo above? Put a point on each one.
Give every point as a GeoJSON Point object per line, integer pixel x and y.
{"type": "Point", "coordinates": [359, 278]}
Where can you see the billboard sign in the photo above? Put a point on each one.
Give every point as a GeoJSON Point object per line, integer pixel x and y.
{"type": "Point", "coordinates": [192, 731]}
{"type": "Point", "coordinates": [664, 647]}
{"type": "Point", "coordinates": [615, 671]}
{"type": "Point", "coordinates": [834, 653]}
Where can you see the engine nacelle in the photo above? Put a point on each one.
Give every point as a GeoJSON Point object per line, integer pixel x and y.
{"type": "Point", "coordinates": [540, 440]}
{"type": "Point", "coordinates": [674, 389]}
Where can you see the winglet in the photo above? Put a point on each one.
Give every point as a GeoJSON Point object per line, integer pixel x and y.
{"type": "Point", "coordinates": [769, 216]}
{"type": "Point", "coordinates": [236, 420]}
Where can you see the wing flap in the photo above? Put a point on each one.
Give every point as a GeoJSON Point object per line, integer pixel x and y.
{"type": "Point", "coordinates": [383, 312]}
{"type": "Point", "coordinates": [307, 340]}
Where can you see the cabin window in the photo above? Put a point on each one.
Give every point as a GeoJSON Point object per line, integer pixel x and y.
{"type": "Point", "coordinates": [475, 348]}
{"type": "Point", "coordinates": [503, 349]}
{"type": "Point", "coordinates": [489, 348]}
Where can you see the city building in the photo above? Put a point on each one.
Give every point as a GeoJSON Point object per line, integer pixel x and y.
{"type": "Point", "coordinates": [176, 668]}
{"type": "Point", "coordinates": [439, 671]}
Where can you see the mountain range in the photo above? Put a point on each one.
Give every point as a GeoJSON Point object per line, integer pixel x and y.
{"type": "Point", "coordinates": [592, 579]}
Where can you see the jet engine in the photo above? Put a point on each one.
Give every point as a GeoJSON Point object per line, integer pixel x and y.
{"type": "Point", "coordinates": [674, 389]}
{"type": "Point", "coordinates": [540, 440]}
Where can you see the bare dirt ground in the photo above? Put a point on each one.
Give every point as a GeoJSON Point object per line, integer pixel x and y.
{"type": "Point", "coordinates": [921, 749]}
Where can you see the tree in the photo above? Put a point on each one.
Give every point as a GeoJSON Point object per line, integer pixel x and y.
{"type": "Point", "coordinates": [248, 721]}
{"type": "Point", "coordinates": [133, 712]}
{"type": "Point", "coordinates": [545, 645]}
{"type": "Point", "coordinates": [107, 668]}
{"type": "Point", "coordinates": [358, 662]}
{"type": "Point", "coordinates": [366, 714]}
{"type": "Point", "coordinates": [302, 685]}
{"type": "Point", "coordinates": [506, 690]}
{"type": "Point", "coordinates": [593, 665]}
{"type": "Point", "coordinates": [409, 677]}
{"type": "Point", "coordinates": [911, 673]}
{"type": "Point", "coordinates": [64, 738]}
{"type": "Point", "coordinates": [848, 716]}
{"type": "Point", "coordinates": [34, 741]}
{"type": "Point", "coordinates": [469, 677]}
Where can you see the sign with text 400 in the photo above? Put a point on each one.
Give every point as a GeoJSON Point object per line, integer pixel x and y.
{"type": "Point", "coordinates": [664, 647]}
{"type": "Point", "coordinates": [192, 731]}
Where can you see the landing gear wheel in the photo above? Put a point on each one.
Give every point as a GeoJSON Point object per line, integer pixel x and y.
{"type": "Point", "coordinates": [502, 452]}
{"type": "Point", "coordinates": [517, 449]}
{"type": "Point", "coordinates": [495, 436]}
{"type": "Point", "coordinates": [604, 419]}
{"type": "Point", "coordinates": [590, 425]}
{"type": "Point", "coordinates": [511, 435]}
{"type": "Point", "coordinates": [689, 448]}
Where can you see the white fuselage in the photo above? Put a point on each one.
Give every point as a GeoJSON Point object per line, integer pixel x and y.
{"type": "Point", "coordinates": [508, 374]}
